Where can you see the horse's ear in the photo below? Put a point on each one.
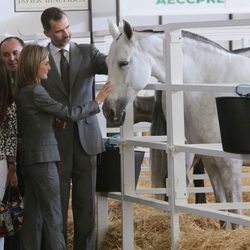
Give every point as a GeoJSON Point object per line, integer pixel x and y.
{"type": "Point", "coordinates": [113, 30]}
{"type": "Point", "coordinates": [127, 29]}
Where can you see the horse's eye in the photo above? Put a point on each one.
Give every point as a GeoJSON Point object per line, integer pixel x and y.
{"type": "Point", "coordinates": [122, 64]}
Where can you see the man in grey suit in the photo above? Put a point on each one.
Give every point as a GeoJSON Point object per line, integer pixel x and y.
{"type": "Point", "coordinates": [79, 142]}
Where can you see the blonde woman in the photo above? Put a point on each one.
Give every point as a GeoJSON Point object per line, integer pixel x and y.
{"type": "Point", "coordinates": [37, 115]}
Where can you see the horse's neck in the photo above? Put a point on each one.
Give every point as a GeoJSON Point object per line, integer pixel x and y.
{"type": "Point", "coordinates": [203, 62]}
{"type": "Point", "coordinates": [207, 63]}
{"type": "Point", "coordinates": [152, 44]}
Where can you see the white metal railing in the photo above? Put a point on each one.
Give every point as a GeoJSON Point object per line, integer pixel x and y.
{"type": "Point", "coordinates": [175, 143]}
{"type": "Point", "coordinates": [176, 129]}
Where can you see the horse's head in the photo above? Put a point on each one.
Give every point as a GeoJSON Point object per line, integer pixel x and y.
{"type": "Point", "coordinates": [128, 70]}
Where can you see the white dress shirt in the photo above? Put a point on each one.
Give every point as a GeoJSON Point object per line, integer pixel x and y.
{"type": "Point", "coordinates": [55, 52]}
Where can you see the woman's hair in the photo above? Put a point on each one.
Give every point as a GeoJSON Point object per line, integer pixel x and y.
{"type": "Point", "coordinates": [6, 97]}
{"type": "Point", "coordinates": [28, 65]}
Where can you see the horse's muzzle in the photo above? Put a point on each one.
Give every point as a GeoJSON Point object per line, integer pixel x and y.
{"type": "Point", "coordinates": [114, 118]}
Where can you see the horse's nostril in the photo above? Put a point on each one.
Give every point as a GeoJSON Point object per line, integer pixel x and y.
{"type": "Point", "coordinates": [119, 119]}
{"type": "Point", "coordinates": [123, 117]}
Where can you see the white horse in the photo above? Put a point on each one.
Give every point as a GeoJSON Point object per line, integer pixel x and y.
{"type": "Point", "coordinates": [135, 56]}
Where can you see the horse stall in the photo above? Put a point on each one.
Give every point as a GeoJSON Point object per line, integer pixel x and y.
{"type": "Point", "coordinates": [175, 143]}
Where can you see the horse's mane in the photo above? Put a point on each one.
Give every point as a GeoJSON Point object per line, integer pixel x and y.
{"type": "Point", "coordinates": [242, 50]}
{"type": "Point", "coordinates": [203, 39]}
{"type": "Point", "coordinates": [190, 35]}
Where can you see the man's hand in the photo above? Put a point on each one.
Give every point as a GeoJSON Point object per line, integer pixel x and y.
{"type": "Point", "coordinates": [60, 123]}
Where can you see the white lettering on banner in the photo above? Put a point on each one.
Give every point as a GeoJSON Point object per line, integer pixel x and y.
{"type": "Point", "coordinates": [40, 5]}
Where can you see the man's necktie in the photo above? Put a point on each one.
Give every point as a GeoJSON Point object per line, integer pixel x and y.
{"type": "Point", "coordinates": [64, 67]}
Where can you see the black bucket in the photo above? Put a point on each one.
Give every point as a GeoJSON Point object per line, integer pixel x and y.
{"type": "Point", "coordinates": [234, 121]}
{"type": "Point", "coordinates": [108, 177]}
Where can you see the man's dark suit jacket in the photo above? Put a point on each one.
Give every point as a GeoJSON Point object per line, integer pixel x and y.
{"type": "Point", "coordinates": [85, 61]}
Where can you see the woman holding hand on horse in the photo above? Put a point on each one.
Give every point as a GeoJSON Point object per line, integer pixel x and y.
{"type": "Point", "coordinates": [38, 112]}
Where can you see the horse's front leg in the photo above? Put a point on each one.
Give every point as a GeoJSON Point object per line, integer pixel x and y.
{"type": "Point", "coordinates": [198, 168]}
{"type": "Point", "coordinates": [159, 168]}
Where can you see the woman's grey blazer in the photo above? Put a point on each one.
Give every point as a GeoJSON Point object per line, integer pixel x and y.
{"type": "Point", "coordinates": [37, 112]}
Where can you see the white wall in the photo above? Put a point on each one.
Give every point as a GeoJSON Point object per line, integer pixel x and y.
{"type": "Point", "coordinates": [29, 22]}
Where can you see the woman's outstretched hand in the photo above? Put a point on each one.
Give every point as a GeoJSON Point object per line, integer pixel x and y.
{"type": "Point", "coordinates": [104, 92]}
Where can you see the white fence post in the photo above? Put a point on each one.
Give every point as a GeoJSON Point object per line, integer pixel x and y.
{"type": "Point", "coordinates": [127, 181]}
{"type": "Point", "coordinates": [175, 129]}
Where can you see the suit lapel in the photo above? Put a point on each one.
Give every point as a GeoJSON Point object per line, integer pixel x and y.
{"type": "Point", "coordinates": [75, 59]}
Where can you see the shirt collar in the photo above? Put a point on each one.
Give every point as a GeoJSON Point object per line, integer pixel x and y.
{"type": "Point", "coordinates": [54, 50]}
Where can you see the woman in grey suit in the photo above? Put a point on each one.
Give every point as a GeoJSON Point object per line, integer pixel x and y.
{"type": "Point", "coordinates": [37, 115]}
